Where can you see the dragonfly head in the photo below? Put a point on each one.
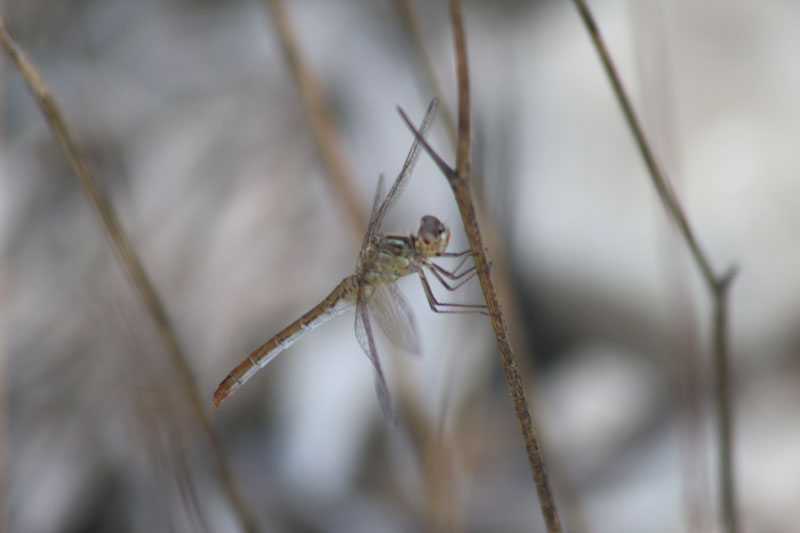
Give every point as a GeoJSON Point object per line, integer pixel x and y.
{"type": "Point", "coordinates": [433, 237]}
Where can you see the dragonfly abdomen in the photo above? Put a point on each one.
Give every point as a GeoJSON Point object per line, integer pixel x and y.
{"type": "Point", "coordinates": [340, 299]}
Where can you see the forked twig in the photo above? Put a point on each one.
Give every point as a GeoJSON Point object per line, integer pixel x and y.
{"type": "Point", "coordinates": [717, 284]}
{"type": "Point", "coordinates": [133, 267]}
{"type": "Point", "coordinates": [492, 238]}
{"type": "Point", "coordinates": [319, 116]}
{"type": "Point", "coordinates": [459, 180]}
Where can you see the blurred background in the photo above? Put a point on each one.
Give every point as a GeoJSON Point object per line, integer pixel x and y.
{"type": "Point", "coordinates": [197, 131]}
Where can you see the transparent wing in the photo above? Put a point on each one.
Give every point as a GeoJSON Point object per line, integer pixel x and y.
{"type": "Point", "coordinates": [395, 318]}
{"type": "Point", "coordinates": [378, 213]}
{"type": "Point", "coordinates": [408, 167]}
{"type": "Point", "coordinates": [372, 217]}
{"type": "Point", "coordinates": [367, 342]}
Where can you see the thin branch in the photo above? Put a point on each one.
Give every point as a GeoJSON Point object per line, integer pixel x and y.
{"type": "Point", "coordinates": [460, 183]}
{"type": "Point", "coordinates": [724, 407]}
{"type": "Point", "coordinates": [459, 180]}
{"type": "Point", "coordinates": [491, 237]}
{"type": "Point", "coordinates": [320, 118]}
{"type": "Point", "coordinates": [130, 262]}
{"type": "Point", "coordinates": [717, 285]}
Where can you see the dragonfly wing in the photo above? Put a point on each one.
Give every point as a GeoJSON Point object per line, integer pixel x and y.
{"type": "Point", "coordinates": [408, 167]}
{"type": "Point", "coordinates": [367, 342]}
{"type": "Point", "coordinates": [379, 211]}
{"type": "Point", "coordinates": [372, 218]}
{"type": "Point", "coordinates": [395, 318]}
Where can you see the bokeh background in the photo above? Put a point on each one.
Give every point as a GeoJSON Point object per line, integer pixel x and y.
{"type": "Point", "coordinates": [197, 132]}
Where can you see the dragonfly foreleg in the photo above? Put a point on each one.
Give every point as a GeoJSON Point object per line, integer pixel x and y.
{"type": "Point", "coordinates": [453, 273]}
{"type": "Point", "coordinates": [456, 254]}
{"type": "Point", "coordinates": [436, 305]}
{"type": "Point", "coordinates": [463, 255]}
{"type": "Point", "coordinates": [461, 278]}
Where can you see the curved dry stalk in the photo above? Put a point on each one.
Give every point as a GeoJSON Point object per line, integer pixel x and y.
{"type": "Point", "coordinates": [459, 180]}
{"type": "Point", "coordinates": [717, 284]}
{"type": "Point", "coordinates": [130, 262]}
{"type": "Point", "coordinates": [319, 116]}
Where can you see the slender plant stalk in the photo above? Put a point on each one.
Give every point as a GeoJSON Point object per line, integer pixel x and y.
{"type": "Point", "coordinates": [459, 180]}
{"type": "Point", "coordinates": [491, 236]}
{"type": "Point", "coordinates": [320, 118]}
{"type": "Point", "coordinates": [716, 284]}
{"type": "Point", "coordinates": [724, 407]}
{"type": "Point", "coordinates": [130, 262]}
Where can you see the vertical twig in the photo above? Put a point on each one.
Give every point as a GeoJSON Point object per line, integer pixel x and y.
{"type": "Point", "coordinates": [500, 270]}
{"type": "Point", "coordinates": [126, 255]}
{"type": "Point", "coordinates": [717, 285]}
{"type": "Point", "coordinates": [320, 118]}
{"type": "Point", "coordinates": [459, 180]}
{"type": "Point", "coordinates": [460, 183]}
{"type": "Point", "coordinates": [724, 407]}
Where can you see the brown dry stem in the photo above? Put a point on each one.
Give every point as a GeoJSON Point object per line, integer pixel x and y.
{"type": "Point", "coordinates": [320, 118]}
{"type": "Point", "coordinates": [717, 284]}
{"type": "Point", "coordinates": [503, 284]}
{"type": "Point", "coordinates": [130, 262]}
{"type": "Point", "coordinates": [459, 180]}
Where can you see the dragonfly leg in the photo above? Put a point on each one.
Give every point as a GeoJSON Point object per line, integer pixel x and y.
{"type": "Point", "coordinates": [454, 272]}
{"type": "Point", "coordinates": [466, 254]}
{"type": "Point", "coordinates": [468, 251]}
{"type": "Point", "coordinates": [445, 307]}
{"type": "Point", "coordinates": [456, 254]}
{"type": "Point", "coordinates": [461, 278]}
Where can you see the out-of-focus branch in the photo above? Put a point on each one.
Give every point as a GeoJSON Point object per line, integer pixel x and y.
{"type": "Point", "coordinates": [459, 180]}
{"type": "Point", "coordinates": [320, 118]}
{"type": "Point", "coordinates": [717, 284]}
{"type": "Point", "coordinates": [130, 262]}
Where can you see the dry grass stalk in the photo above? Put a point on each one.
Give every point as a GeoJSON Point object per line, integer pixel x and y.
{"type": "Point", "coordinates": [717, 284]}
{"type": "Point", "coordinates": [320, 119]}
{"type": "Point", "coordinates": [459, 179]}
{"type": "Point", "coordinates": [130, 262]}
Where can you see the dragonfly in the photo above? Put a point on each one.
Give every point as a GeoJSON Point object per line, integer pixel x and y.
{"type": "Point", "coordinates": [382, 260]}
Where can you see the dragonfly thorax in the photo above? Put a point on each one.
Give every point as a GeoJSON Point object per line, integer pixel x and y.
{"type": "Point", "coordinates": [433, 237]}
{"type": "Point", "coordinates": [391, 257]}
{"type": "Point", "coordinates": [397, 245]}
